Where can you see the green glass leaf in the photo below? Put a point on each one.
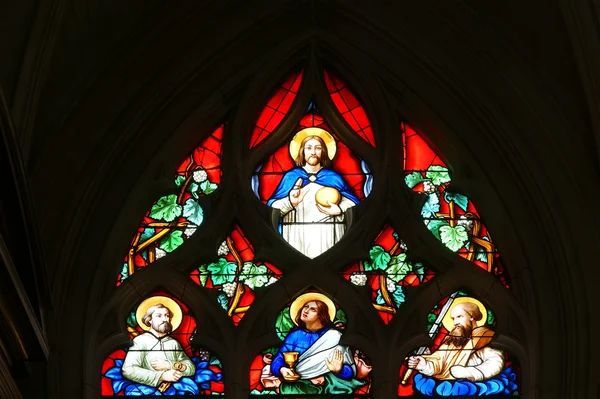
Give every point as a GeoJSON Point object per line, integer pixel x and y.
{"type": "Point", "coordinates": [419, 270]}
{"type": "Point", "coordinates": [166, 208]}
{"type": "Point", "coordinates": [379, 298]}
{"type": "Point", "coordinates": [431, 317]}
{"type": "Point", "coordinates": [203, 274]}
{"type": "Point", "coordinates": [131, 320]}
{"type": "Point", "coordinates": [284, 323]}
{"type": "Point", "coordinates": [490, 317]}
{"type": "Point", "coordinates": [146, 234]}
{"type": "Point", "coordinates": [193, 212]}
{"type": "Point", "coordinates": [273, 350]}
{"type": "Point", "coordinates": [207, 187]}
{"type": "Point", "coordinates": [222, 271]}
{"type": "Point", "coordinates": [454, 237]}
{"type": "Point", "coordinates": [179, 180]}
{"type": "Point", "coordinates": [398, 296]}
{"type": "Point", "coordinates": [435, 225]}
{"type": "Point", "coordinates": [438, 175]}
{"type": "Point", "coordinates": [192, 188]}
{"type": "Point", "coordinates": [172, 241]}
{"type": "Point", "coordinates": [223, 300]}
{"type": "Point", "coordinates": [214, 361]}
{"type": "Point", "coordinates": [340, 317]}
{"type": "Point", "coordinates": [413, 179]}
{"type": "Point", "coordinates": [398, 268]}
{"type": "Point", "coordinates": [254, 276]}
{"type": "Point", "coordinates": [124, 271]}
{"type": "Point", "coordinates": [431, 206]}
{"type": "Point", "coordinates": [379, 258]}
{"type": "Point", "coordinates": [461, 200]}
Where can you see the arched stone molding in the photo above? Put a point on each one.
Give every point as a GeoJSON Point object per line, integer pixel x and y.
{"type": "Point", "coordinates": [466, 116]}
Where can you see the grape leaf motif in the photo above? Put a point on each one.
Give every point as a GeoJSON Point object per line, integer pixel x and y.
{"type": "Point", "coordinates": [438, 175]}
{"type": "Point", "coordinates": [454, 237]}
{"type": "Point", "coordinates": [379, 259]}
{"type": "Point", "coordinates": [398, 268]}
{"type": "Point", "coordinates": [461, 200]}
{"type": "Point", "coordinates": [254, 276]}
{"type": "Point", "coordinates": [431, 206]}
{"type": "Point", "coordinates": [413, 179]}
{"type": "Point", "coordinates": [284, 323]}
{"type": "Point", "coordinates": [222, 272]}
{"type": "Point", "coordinates": [172, 241]}
{"type": "Point", "coordinates": [435, 225]}
{"type": "Point", "coordinates": [193, 212]}
{"type": "Point", "coordinates": [166, 208]}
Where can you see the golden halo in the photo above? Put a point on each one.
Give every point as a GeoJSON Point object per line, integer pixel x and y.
{"type": "Point", "coordinates": [299, 302]}
{"type": "Point", "coordinates": [313, 131]}
{"type": "Point", "coordinates": [449, 324]}
{"type": "Point", "coordinates": [155, 300]}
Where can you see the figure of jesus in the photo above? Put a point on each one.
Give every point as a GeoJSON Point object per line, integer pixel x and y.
{"type": "Point", "coordinates": [312, 218]}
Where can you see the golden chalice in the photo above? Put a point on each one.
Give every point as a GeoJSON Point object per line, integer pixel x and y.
{"type": "Point", "coordinates": [291, 358]}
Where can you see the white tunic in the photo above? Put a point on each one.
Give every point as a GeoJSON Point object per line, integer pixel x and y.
{"type": "Point", "coordinates": [306, 228]}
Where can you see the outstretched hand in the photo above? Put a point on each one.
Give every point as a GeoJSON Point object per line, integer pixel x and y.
{"type": "Point", "coordinates": [337, 362]}
{"type": "Point", "coordinates": [296, 193]}
{"type": "Point", "coordinates": [331, 210]}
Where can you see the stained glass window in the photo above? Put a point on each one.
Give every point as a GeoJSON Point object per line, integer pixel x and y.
{"type": "Point", "coordinates": [312, 181]}
{"type": "Point", "coordinates": [162, 360]}
{"type": "Point", "coordinates": [175, 217]}
{"type": "Point", "coordinates": [462, 361]}
{"type": "Point", "coordinates": [450, 216]}
{"type": "Point", "coordinates": [310, 360]}
{"type": "Point", "coordinates": [305, 175]}
{"type": "Point", "coordinates": [388, 273]}
{"type": "Point", "coordinates": [236, 274]}
{"type": "Point", "coordinates": [276, 109]}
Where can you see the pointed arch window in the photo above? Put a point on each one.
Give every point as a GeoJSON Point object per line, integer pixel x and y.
{"type": "Point", "coordinates": [304, 219]}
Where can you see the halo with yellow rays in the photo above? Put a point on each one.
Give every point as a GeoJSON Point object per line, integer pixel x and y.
{"type": "Point", "coordinates": [155, 300]}
{"type": "Point", "coordinates": [449, 324]}
{"type": "Point", "coordinates": [313, 131]}
{"type": "Point", "coordinates": [299, 302]}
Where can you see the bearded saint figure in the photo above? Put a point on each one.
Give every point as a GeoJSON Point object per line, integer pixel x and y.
{"type": "Point", "coordinates": [155, 356]}
{"type": "Point", "coordinates": [312, 219]}
{"type": "Point", "coordinates": [464, 353]}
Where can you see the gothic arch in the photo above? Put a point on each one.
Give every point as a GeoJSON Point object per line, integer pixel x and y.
{"type": "Point", "coordinates": [454, 126]}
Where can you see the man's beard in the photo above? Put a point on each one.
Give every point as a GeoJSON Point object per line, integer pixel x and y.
{"type": "Point", "coordinates": [313, 160]}
{"type": "Point", "coordinates": [164, 328]}
{"type": "Point", "coordinates": [459, 336]}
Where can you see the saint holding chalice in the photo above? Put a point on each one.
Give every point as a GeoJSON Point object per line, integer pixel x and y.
{"type": "Point", "coordinates": [323, 366]}
{"type": "Point", "coordinates": [311, 197]}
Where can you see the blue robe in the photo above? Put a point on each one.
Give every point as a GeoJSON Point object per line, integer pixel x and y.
{"type": "Point", "coordinates": [324, 177]}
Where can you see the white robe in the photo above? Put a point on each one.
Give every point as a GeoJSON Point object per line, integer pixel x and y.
{"type": "Point", "coordinates": [306, 228]}
{"type": "Point", "coordinates": [146, 348]}
{"type": "Point", "coordinates": [311, 363]}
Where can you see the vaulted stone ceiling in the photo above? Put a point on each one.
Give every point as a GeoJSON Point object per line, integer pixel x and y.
{"type": "Point", "coordinates": [97, 89]}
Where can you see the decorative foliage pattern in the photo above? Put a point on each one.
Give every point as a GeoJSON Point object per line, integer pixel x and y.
{"type": "Point", "coordinates": [175, 217]}
{"type": "Point", "coordinates": [354, 170]}
{"type": "Point", "coordinates": [450, 216]}
{"type": "Point", "coordinates": [388, 273]}
{"type": "Point", "coordinates": [276, 109]}
{"type": "Point", "coordinates": [236, 275]}
{"type": "Point", "coordinates": [206, 379]}
{"type": "Point", "coordinates": [264, 381]}
{"type": "Point", "coordinates": [348, 105]}
{"type": "Point", "coordinates": [476, 370]}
